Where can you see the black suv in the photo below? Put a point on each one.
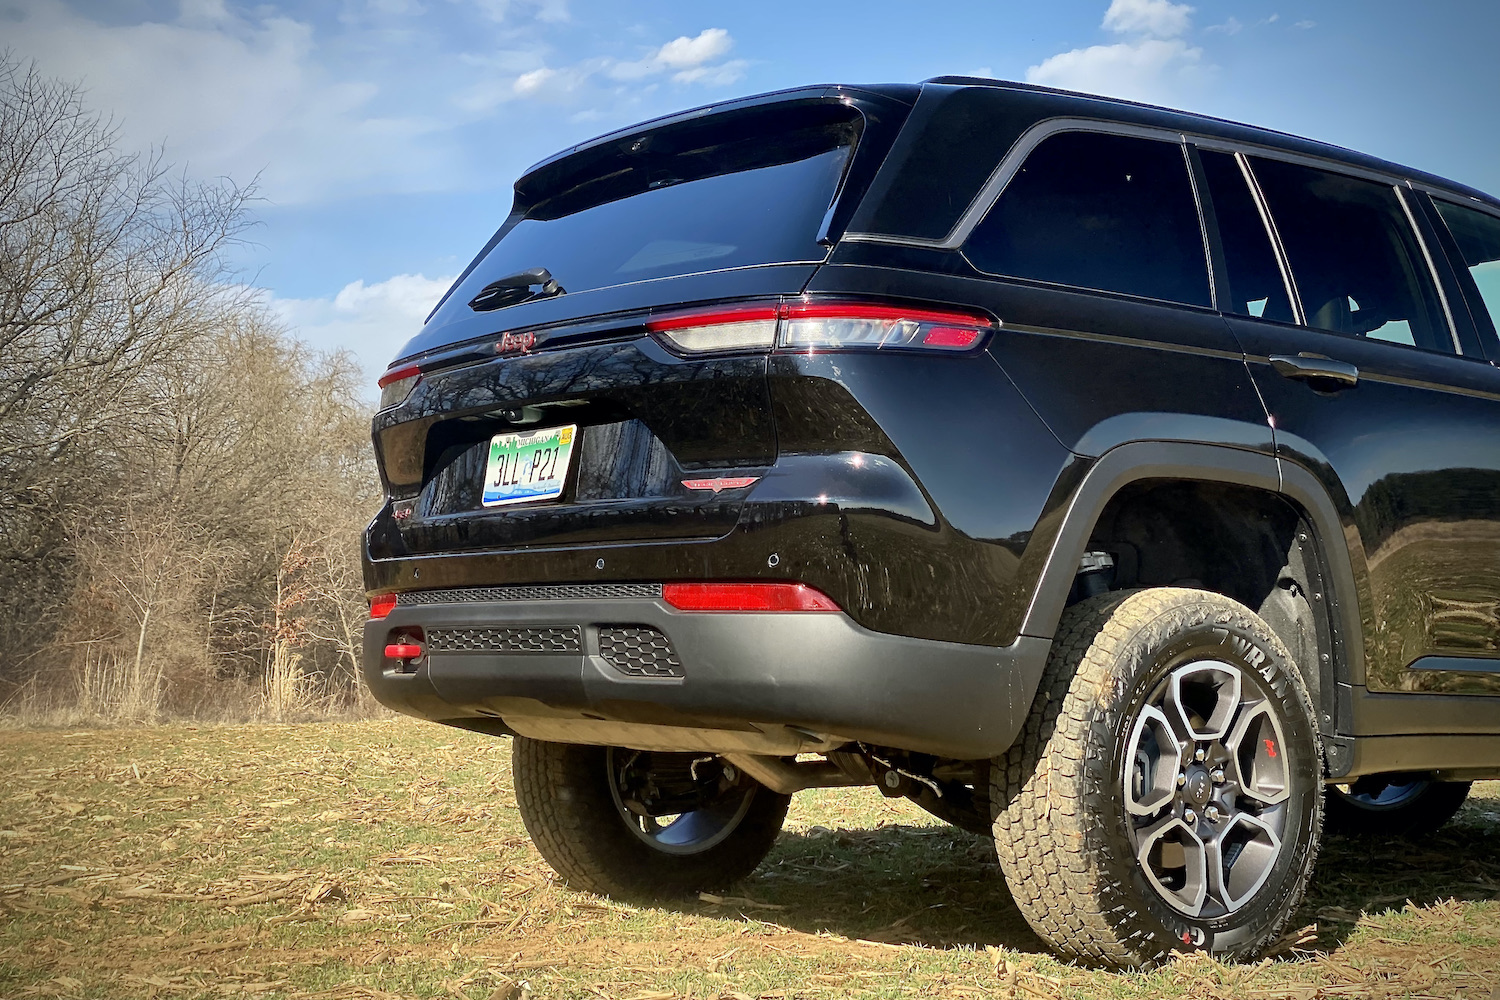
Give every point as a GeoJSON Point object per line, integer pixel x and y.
{"type": "Point", "coordinates": [1119, 483]}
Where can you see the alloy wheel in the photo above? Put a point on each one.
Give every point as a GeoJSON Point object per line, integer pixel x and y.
{"type": "Point", "coordinates": [1206, 786]}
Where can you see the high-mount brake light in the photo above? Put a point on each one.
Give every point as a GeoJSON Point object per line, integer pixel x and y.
{"type": "Point", "coordinates": [746, 597]}
{"type": "Point", "coordinates": [396, 384]}
{"type": "Point", "coordinates": [821, 325]}
{"type": "Point", "coordinates": [745, 328]}
{"type": "Point", "coordinates": [382, 605]}
{"type": "Point", "coordinates": [845, 325]}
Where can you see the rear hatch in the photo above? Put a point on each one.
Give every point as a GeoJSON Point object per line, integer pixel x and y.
{"type": "Point", "coordinates": [540, 405]}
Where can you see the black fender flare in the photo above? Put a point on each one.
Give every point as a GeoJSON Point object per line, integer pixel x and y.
{"type": "Point", "coordinates": [1140, 460]}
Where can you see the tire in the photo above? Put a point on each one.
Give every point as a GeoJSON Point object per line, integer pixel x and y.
{"type": "Point", "coordinates": [1071, 817]}
{"type": "Point", "coordinates": [574, 806]}
{"type": "Point", "coordinates": [1393, 805]}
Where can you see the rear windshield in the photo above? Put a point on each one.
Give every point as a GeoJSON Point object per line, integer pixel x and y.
{"type": "Point", "coordinates": [725, 192]}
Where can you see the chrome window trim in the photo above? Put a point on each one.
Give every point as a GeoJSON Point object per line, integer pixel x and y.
{"type": "Point", "coordinates": [1455, 198]}
{"type": "Point", "coordinates": [1007, 168]}
{"type": "Point", "coordinates": [1437, 281]}
{"type": "Point", "coordinates": [1330, 164]}
{"type": "Point", "coordinates": [1278, 249]}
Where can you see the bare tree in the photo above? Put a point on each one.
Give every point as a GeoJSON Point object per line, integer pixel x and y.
{"type": "Point", "coordinates": [182, 484]}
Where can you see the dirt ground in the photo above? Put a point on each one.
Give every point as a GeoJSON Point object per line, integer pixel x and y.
{"type": "Point", "coordinates": [386, 859]}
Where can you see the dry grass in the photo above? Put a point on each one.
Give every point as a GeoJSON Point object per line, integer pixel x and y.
{"type": "Point", "coordinates": [386, 859]}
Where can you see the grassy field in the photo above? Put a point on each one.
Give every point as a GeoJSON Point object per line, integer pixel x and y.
{"type": "Point", "coordinates": [386, 859]}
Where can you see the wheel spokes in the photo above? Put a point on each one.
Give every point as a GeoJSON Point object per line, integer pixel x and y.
{"type": "Point", "coordinates": [1175, 861]}
{"type": "Point", "coordinates": [1205, 696]}
{"type": "Point", "coordinates": [1155, 758]}
{"type": "Point", "coordinates": [1258, 755]}
{"type": "Point", "coordinates": [1205, 748]}
{"type": "Point", "coordinates": [1241, 858]}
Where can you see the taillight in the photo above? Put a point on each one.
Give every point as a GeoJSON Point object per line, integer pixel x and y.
{"type": "Point", "coordinates": [746, 597]}
{"type": "Point", "coordinates": [382, 605]}
{"type": "Point", "coordinates": [742, 329]}
{"type": "Point", "coordinates": [397, 384]}
{"type": "Point", "coordinates": [812, 325]}
{"type": "Point", "coordinates": [843, 325]}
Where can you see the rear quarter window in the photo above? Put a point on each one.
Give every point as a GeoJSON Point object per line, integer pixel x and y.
{"type": "Point", "coordinates": [1108, 212]}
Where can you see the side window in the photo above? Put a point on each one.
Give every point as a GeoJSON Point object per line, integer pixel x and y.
{"type": "Point", "coordinates": [1256, 286]}
{"type": "Point", "coordinates": [1355, 260]}
{"type": "Point", "coordinates": [1478, 237]}
{"type": "Point", "coordinates": [1099, 211]}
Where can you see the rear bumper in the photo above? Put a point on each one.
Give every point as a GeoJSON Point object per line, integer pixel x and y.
{"type": "Point", "coordinates": [750, 673]}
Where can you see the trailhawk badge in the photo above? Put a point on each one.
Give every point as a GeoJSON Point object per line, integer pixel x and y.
{"type": "Point", "coordinates": [719, 485]}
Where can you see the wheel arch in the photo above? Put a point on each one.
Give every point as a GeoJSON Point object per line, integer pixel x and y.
{"type": "Point", "coordinates": [1335, 595]}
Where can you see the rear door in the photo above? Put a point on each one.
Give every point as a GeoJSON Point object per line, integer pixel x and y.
{"type": "Point", "coordinates": [543, 356]}
{"type": "Point", "coordinates": [1328, 282]}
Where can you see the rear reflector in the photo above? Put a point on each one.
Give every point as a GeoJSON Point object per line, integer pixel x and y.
{"type": "Point", "coordinates": [382, 605]}
{"type": "Point", "coordinates": [403, 651]}
{"type": "Point", "coordinates": [746, 597]}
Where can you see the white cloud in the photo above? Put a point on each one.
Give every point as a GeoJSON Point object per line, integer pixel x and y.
{"type": "Point", "coordinates": [371, 321]}
{"type": "Point", "coordinates": [1301, 24]}
{"type": "Point", "coordinates": [721, 75]}
{"type": "Point", "coordinates": [236, 96]}
{"type": "Point", "coordinates": [683, 51]}
{"type": "Point", "coordinates": [1158, 66]}
{"type": "Point", "coordinates": [1229, 27]}
{"type": "Point", "coordinates": [1157, 70]}
{"type": "Point", "coordinates": [689, 57]}
{"type": "Point", "coordinates": [1157, 18]}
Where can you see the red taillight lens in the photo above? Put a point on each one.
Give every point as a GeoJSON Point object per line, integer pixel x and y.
{"type": "Point", "coordinates": [811, 324]}
{"type": "Point", "coordinates": [396, 384]}
{"type": "Point", "coordinates": [746, 597]}
{"type": "Point", "coordinates": [844, 325]}
{"type": "Point", "coordinates": [744, 328]}
{"type": "Point", "coordinates": [382, 605]}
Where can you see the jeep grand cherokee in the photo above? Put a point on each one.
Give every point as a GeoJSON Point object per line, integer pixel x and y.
{"type": "Point", "coordinates": [1118, 483]}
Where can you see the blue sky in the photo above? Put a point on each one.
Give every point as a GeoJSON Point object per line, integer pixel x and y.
{"type": "Point", "coordinates": [386, 133]}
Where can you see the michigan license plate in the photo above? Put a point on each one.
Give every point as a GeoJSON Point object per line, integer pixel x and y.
{"type": "Point", "coordinates": [528, 465]}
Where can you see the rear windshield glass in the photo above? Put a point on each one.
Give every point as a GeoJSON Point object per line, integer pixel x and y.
{"type": "Point", "coordinates": [712, 195]}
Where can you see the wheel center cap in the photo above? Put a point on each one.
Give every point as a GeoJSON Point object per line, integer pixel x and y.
{"type": "Point", "coordinates": [1198, 786]}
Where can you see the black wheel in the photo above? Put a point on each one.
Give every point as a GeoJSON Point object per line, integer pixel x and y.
{"type": "Point", "coordinates": [1166, 793]}
{"type": "Point", "coordinates": [1393, 805]}
{"type": "Point", "coordinates": [641, 823]}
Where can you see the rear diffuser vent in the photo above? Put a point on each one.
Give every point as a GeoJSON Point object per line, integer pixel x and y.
{"type": "Point", "coordinates": [639, 651]}
{"type": "Point", "coordinates": [557, 639]}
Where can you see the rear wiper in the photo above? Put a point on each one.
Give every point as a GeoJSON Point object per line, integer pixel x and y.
{"type": "Point", "coordinates": [516, 288]}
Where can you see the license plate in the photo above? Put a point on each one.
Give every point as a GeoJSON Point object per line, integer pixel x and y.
{"type": "Point", "coordinates": [528, 465]}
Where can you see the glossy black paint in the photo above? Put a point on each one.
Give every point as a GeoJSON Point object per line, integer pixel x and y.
{"type": "Point", "coordinates": [947, 498]}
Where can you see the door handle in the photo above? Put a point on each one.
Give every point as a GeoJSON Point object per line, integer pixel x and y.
{"type": "Point", "coordinates": [1316, 368]}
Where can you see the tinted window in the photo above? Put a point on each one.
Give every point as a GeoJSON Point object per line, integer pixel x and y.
{"type": "Point", "coordinates": [1256, 287]}
{"type": "Point", "coordinates": [1478, 238]}
{"type": "Point", "coordinates": [1099, 211]}
{"type": "Point", "coordinates": [947, 150]}
{"type": "Point", "coordinates": [678, 205]}
{"type": "Point", "coordinates": [1355, 260]}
